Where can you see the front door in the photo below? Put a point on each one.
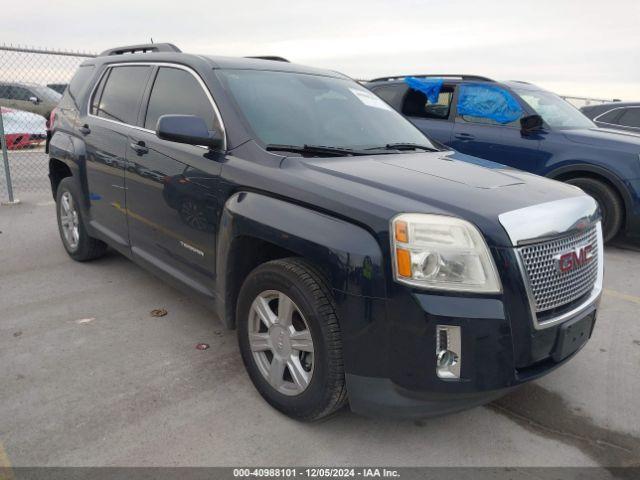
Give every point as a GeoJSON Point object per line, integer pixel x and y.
{"type": "Point", "coordinates": [486, 135]}
{"type": "Point", "coordinates": [114, 109]}
{"type": "Point", "coordinates": [172, 188]}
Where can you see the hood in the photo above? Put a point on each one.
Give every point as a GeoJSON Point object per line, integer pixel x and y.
{"type": "Point", "coordinates": [605, 138]}
{"type": "Point", "coordinates": [439, 182]}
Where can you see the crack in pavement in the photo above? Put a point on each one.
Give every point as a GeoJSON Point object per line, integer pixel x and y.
{"type": "Point", "coordinates": [546, 413]}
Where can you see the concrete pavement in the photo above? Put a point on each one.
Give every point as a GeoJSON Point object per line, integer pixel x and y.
{"type": "Point", "coordinates": [88, 377]}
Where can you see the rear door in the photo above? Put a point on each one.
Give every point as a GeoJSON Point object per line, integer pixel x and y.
{"type": "Point", "coordinates": [172, 188]}
{"type": "Point", "coordinates": [432, 119]}
{"type": "Point", "coordinates": [114, 108]}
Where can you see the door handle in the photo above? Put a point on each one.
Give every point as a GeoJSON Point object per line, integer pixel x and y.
{"type": "Point", "coordinates": [84, 129]}
{"type": "Point", "coordinates": [139, 147]}
{"type": "Point", "coordinates": [464, 136]}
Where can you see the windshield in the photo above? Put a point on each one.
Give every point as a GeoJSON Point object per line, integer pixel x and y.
{"type": "Point", "coordinates": [285, 108]}
{"type": "Point", "coordinates": [555, 111]}
{"type": "Point", "coordinates": [46, 94]}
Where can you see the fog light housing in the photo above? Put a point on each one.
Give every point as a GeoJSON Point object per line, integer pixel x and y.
{"type": "Point", "coordinates": [448, 351]}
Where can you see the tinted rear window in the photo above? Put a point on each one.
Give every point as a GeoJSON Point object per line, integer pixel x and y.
{"type": "Point", "coordinates": [122, 93]}
{"type": "Point", "coordinates": [609, 117]}
{"type": "Point", "coordinates": [630, 118]}
{"type": "Point", "coordinates": [77, 86]}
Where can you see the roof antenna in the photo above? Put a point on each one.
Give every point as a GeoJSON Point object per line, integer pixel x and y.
{"type": "Point", "coordinates": [151, 39]}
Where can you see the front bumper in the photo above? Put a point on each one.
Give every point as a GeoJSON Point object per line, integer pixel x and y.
{"type": "Point", "coordinates": [500, 350]}
{"type": "Point", "coordinates": [392, 345]}
{"type": "Point", "coordinates": [380, 396]}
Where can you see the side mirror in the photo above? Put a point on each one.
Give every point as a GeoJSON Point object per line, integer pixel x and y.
{"type": "Point", "coordinates": [531, 123]}
{"type": "Point", "coordinates": [34, 100]}
{"type": "Point", "coordinates": [188, 129]}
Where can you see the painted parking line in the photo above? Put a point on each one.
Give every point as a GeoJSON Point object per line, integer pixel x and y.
{"type": "Point", "coordinates": [622, 296]}
{"type": "Point", "coordinates": [6, 471]}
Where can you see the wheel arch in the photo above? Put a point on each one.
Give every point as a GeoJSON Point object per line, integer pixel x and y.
{"type": "Point", "coordinates": [257, 228]}
{"type": "Point", "coordinates": [57, 171]}
{"type": "Point", "coordinates": [597, 173]}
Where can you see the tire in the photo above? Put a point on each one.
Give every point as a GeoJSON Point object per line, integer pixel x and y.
{"type": "Point", "coordinates": [79, 245]}
{"type": "Point", "coordinates": [609, 201]}
{"type": "Point", "coordinates": [314, 316]}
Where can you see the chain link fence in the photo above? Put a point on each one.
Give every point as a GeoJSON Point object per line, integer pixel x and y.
{"type": "Point", "coordinates": [31, 83]}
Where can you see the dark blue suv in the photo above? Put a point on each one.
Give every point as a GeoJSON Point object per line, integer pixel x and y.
{"type": "Point", "coordinates": [523, 126]}
{"type": "Point", "coordinates": [357, 260]}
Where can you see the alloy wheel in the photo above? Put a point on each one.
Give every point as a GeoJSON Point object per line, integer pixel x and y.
{"type": "Point", "coordinates": [281, 342]}
{"type": "Point", "coordinates": [69, 221]}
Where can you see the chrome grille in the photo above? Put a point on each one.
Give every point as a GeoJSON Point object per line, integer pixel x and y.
{"type": "Point", "coordinates": [550, 287]}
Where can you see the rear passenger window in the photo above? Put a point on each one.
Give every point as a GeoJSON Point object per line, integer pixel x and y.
{"type": "Point", "coordinates": [177, 92]}
{"type": "Point", "coordinates": [610, 117]}
{"type": "Point", "coordinates": [77, 86]}
{"type": "Point", "coordinates": [630, 118]}
{"type": "Point", "coordinates": [416, 104]}
{"type": "Point", "coordinates": [122, 92]}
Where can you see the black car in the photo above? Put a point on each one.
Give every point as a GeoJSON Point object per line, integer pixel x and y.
{"type": "Point", "coordinates": [358, 260]}
{"type": "Point", "coordinates": [615, 115]}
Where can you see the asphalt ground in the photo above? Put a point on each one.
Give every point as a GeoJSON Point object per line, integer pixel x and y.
{"type": "Point", "coordinates": [88, 377]}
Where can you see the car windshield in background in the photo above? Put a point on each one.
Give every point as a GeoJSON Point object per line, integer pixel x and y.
{"type": "Point", "coordinates": [555, 111]}
{"type": "Point", "coordinates": [47, 94]}
{"type": "Point", "coordinates": [309, 110]}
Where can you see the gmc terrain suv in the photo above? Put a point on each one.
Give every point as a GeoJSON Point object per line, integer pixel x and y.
{"type": "Point", "coordinates": [526, 127]}
{"type": "Point", "coordinates": [357, 260]}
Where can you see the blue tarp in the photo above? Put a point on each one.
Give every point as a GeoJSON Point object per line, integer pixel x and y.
{"type": "Point", "coordinates": [429, 86]}
{"type": "Point", "coordinates": [488, 101]}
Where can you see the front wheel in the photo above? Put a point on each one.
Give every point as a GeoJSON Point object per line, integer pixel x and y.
{"type": "Point", "coordinates": [609, 201]}
{"type": "Point", "coordinates": [290, 339]}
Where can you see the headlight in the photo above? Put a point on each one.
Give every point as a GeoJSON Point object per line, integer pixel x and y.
{"type": "Point", "coordinates": [440, 252]}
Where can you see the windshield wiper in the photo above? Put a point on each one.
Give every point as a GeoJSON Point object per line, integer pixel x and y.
{"type": "Point", "coordinates": [407, 146]}
{"type": "Point", "coordinates": [314, 150]}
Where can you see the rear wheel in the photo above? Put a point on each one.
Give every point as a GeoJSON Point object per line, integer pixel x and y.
{"type": "Point", "coordinates": [609, 201]}
{"type": "Point", "coordinates": [77, 242]}
{"type": "Point", "coordinates": [290, 339]}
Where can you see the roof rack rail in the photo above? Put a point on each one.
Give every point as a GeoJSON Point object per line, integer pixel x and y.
{"type": "Point", "coordinates": [142, 48]}
{"type": "Point", "coordinates": [439, 75]}
{"type": "Point", "coordinates": [271, 57]}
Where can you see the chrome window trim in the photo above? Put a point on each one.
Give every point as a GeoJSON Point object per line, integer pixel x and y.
{"type": "Point", "coordinates": [593, 296]}
{"type": "Point", "coordinates": [616, 124]}
{"type": "Point", "coordinates": [159, 64]}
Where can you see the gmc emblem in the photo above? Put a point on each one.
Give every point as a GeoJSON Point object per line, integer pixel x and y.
{"type": "Point", "coordinates": [575, 258]}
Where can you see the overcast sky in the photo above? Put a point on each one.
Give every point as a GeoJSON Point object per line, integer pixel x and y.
{"type": "Point", "coordinates": [581, 47]}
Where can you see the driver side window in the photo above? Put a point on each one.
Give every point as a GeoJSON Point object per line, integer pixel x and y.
{"type": "Point", "coordinates": [177, 92]}
{"type": "Point", "coordinates": [488, 105]}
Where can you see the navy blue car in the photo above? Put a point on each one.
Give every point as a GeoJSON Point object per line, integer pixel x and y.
{"type": "Point", "coordinates": [521, 125]}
